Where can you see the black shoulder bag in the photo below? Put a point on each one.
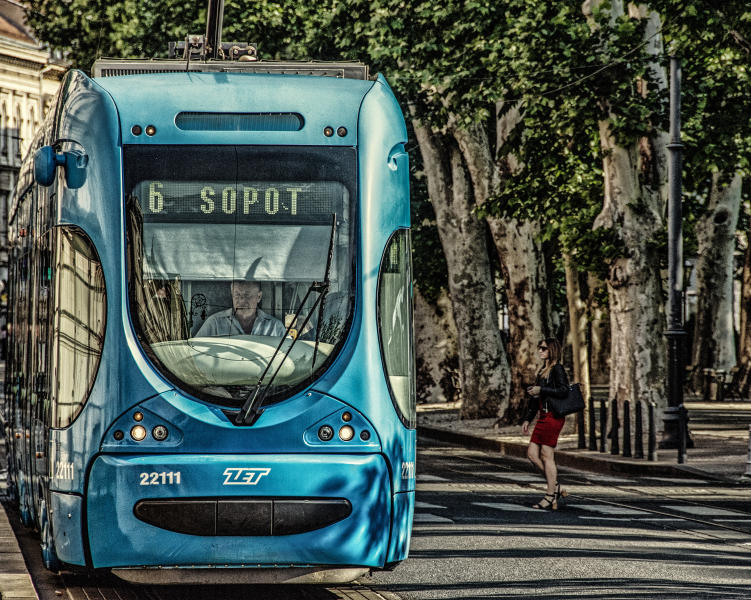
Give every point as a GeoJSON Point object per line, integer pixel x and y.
{"type": "Point", "coordinates": [571, 403]}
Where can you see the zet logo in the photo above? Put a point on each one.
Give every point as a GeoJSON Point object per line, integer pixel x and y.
{"type": "Point", "coordinates": [244, 475]}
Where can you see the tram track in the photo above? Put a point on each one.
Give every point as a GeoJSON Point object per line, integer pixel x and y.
{"type": "Point", "coordinates": [623, 505]}
{"type": "Point", "coordinates": [81, 587]}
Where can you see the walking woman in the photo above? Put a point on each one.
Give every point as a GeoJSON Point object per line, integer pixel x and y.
{"type": "Point", "coordinates": [551, 382]}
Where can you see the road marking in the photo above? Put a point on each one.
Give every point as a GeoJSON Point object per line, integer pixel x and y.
{"type": "Point", "coordinates": [703, 511]}
{"type": "Point", "coordinates": [427, 505]}
{"type": "Point", "coordinates": [430, 518]}
{"type": "Point", "coordinates": [426, 477]}
{"type": "Point", "coordinates": [608, 479]}
{"type": "Point", "coordinates": [513, 477]}
{"type": "Point", "coordinates": [606, 509]}
{"type": "Point", "coordinates": [746, 520]}
{"type": "Point", "coordinates": [507, 506]}
{"type": "Point", "coordinates": [686, 482]}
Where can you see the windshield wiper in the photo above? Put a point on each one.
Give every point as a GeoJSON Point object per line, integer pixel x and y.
{"type": "Point", "coordinates": [253, 406]}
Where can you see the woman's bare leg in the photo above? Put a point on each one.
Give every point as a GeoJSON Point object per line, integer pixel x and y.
{"type": "Point", "coordinates": [533, 454]}
{"type": "Point", "coordinates": [550, 469]}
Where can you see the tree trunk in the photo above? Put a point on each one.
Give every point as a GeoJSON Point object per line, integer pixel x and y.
{"type": "Point", "coordinates": [599, 332]}
{"type": "Point", "coordinates": [522, 262]}
{"type": "Point", "coordinates": [577, 325]}
{"type": "Point", "coordinates": [637, 320]}
{"type": "Point", "coordinates": [634, 206]}
{"type": "Point", "coordinates": [483, 365]}
{"type": "Point", "coordinates": [435, 349]}
{"type": "Point", "coordinates": [744, 352]}
{"type": "Point", "coordinates": [714, 332]}
{"type": "Point", "coordinates": [529, 305]}
{"type": "Point", "coordinates": [577, 334]}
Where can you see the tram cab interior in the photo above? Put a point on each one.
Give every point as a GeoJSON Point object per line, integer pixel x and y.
{"type": "Point", "coordinates": [200, 222]}
{"type": "Point", "coordinates": [301, 325]}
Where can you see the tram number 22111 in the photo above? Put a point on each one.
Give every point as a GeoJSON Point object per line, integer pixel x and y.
{"type": "Point", "coordinates": [163, 478]}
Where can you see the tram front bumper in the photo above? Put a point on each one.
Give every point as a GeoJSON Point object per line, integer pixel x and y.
{"type": "Point", "coordinates": [238, 510]}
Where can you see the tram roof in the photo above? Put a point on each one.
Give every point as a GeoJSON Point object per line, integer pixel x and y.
{"type": "Point", "coordinates": [110, 67]}
{"type": "Point", "coordinates": [158, 98]}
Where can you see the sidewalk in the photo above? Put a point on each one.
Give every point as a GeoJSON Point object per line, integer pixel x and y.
{"type": "Point", "coordinates": [720, 453]}
{"type": "Point", "coordinates": [15, 581]}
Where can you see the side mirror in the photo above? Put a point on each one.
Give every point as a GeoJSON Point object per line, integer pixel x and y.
{"type": "Point", "coordinates": [46, 161]}
{"type": "Point", "coordinates": [75, 168]}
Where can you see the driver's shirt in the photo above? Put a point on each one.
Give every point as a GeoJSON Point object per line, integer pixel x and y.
{"type": "Point", "coordinates": [224, 323]}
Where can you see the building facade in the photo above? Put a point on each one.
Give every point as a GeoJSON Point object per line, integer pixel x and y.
{"type": "Point", "coordinates": [29, 79]}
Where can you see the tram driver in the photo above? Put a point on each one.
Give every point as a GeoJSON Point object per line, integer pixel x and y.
{"type": "Point", "coordinates": [244, 318]}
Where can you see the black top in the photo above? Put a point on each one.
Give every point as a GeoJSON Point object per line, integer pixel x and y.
{"type": "Point", "coordinates": [555, 385]}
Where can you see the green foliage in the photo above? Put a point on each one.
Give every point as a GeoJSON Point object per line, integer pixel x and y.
{"type": "Point", "coordinates": [89, 29]}
{"type": "Point", "coordinates": [713, 41]}
{"type": "Point", "coordinates": [429, 262]}
{"type": "Point", "coordinates": [450, 62]}
{"type": "Point", "coordinates": [568, 77]}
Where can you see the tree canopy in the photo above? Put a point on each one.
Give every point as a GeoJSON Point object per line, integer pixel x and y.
{"type": "Point", "coordinates": [576, 73]}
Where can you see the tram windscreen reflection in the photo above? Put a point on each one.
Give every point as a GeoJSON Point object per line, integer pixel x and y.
{"type": "Point", "coordinates": [224, 244]}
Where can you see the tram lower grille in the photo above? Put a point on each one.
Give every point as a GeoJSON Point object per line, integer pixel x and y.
{"type": "Point", "coordinates": [242, 516]}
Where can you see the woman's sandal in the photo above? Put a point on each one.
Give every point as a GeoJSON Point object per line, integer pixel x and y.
{"type": "Point", "coordinates": [549, 501]}
{"type": "Point", "coordinates": [559, 493]}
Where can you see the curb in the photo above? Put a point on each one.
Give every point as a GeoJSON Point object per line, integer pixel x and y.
{"type": "Point", "coordinates": [587, 460]}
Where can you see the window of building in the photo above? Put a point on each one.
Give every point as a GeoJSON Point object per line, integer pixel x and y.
{"type": "Point", "coordinates": [4, 127]}
{"type": "Point", "coordinates": [78, 322]}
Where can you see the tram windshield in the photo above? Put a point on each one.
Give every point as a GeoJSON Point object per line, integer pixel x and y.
{"type": "Point", "coordinates": [226, 245]}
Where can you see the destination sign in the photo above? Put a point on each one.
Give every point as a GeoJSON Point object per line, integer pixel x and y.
{"type": "Point", "coordinates": [253, 201]}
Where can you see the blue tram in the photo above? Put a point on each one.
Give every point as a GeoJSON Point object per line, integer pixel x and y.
{"type": "Point", "coordinates": [210, 374]}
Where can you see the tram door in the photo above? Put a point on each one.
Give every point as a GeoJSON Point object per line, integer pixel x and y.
{"type": "Point", "coordinates": [24, 331]}
{"type": "Point", "coordinates": [40, 359]}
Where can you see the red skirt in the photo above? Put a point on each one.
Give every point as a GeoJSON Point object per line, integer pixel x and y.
{"type": "Point", "coordinates": [547, 429]}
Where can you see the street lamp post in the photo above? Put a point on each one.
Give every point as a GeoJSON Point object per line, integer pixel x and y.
{"type": "Point", "coordinates": [674, 420]}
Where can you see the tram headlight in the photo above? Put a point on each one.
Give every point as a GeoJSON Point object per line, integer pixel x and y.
{"type": "Point", "coordinates": [346, 433]}
{"type": "Point", "coordinates": [138, 433]}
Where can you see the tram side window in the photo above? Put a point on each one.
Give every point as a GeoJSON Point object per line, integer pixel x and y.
{"type": "Point", "coordinates": [395, 324]}
{"type": "Point", "coordinates": [78, 323]}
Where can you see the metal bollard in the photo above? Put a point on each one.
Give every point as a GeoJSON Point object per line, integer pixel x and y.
{"type": "Point", "coordinates": [720, 383]}
{"type": "Point", "coordinates": [747, 474]}
{"type": "Point", "coordinates": [708, 379]}
{"type": "Point", "coordinates": [627, 428]}
{"type": "Point", "coordinates": [580, 429]}
{"type": "Point", "coordinates": [638, 432]}
{"type": "Point", "coordinates": [652, 442]}
{"type": "Point", "coordinates": [603, 424]}
{"type": "Point", "coordinates": [614, 425]}
{"type": "Point", "coordinates": [592, 425]}
{"type": "Point", "coordinates": [682, 431]}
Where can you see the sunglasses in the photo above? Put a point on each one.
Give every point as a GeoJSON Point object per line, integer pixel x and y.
{"type": "Point", "coordinates": [542, 347]}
